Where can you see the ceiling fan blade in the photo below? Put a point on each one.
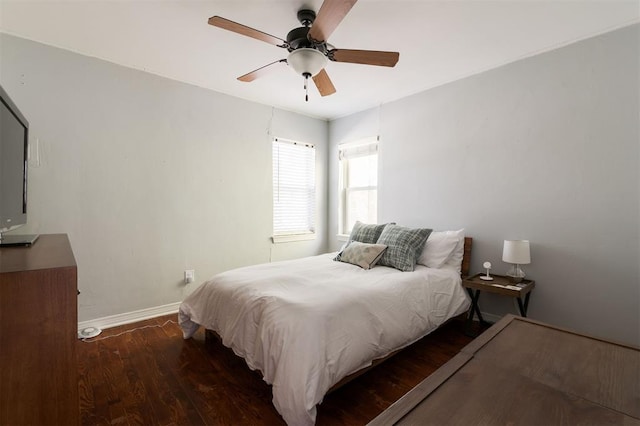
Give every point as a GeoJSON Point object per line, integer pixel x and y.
{"type": "Point", "coordinates": [220, 22]}
{"type": "Point", "coordinates": [367, 57]}
{"type": "Point", "coordinates": [331, 13]}
{"type": "Point", "coordinates": [323, 83]}
{"type": "Point", "coordinates": [260, 72]}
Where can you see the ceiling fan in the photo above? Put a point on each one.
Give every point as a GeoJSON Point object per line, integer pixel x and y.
{"type": "Point", "coordinates": [308, 48]}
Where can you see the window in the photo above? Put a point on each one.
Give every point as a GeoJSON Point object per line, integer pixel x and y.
{"type": "Point", "coordinates": [358, 183]}
{"type": "Point", "coordinates": [294, 190]}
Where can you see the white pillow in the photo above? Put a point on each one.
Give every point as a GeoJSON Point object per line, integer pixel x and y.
{"type": "Point", "coordinates": [455, 260]}
{"type": "Point", "coordinates": [438, 248]}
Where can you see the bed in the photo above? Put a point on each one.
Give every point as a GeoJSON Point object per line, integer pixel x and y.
{"type": "Point", "coordinates": [310, 324]}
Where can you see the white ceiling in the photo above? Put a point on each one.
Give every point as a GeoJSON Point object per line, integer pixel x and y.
{"type": "Point", "coordinates": [439, 41]}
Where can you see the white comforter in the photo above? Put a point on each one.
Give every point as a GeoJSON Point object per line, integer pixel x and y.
{"type": "Point", "coordinates": [307, 323]}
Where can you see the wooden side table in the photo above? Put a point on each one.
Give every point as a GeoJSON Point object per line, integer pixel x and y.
{"type": "Point", "coordinates": [500, 285]}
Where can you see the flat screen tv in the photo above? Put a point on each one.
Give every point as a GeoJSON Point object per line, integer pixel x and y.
{"type": "Point", "coordinates": [14, 148]}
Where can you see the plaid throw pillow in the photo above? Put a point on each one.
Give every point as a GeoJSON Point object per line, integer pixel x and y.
{"type": "Point", "coordinates": [366, 233]}
{"type": "Point", "coordinates": [363, 233]}
{"type": "Point", "coordinates": [404, 246]}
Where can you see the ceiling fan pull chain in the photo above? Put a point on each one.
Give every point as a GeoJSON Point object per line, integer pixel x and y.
{"type": "Point", "coordinates": [306, 87]}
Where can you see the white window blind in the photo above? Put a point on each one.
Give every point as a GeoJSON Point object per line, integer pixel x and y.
{"type": "Point", "coordinates": [294, 188]}
{"type": "Point", "coordinates": [359, 183]}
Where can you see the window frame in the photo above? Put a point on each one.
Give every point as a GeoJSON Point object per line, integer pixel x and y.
{"type": "Point", "coordinates": [343, 185]}
{"type": "Point", "coordinates": [294, 235]}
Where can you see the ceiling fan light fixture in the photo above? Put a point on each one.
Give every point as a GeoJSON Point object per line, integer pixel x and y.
{"type": "Point", "coordinates": [307, 61]}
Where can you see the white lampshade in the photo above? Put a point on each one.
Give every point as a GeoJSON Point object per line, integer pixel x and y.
{"type": "Point", "coordinates": [307, 61]}
{"type": "Point", "coordinates": [516, 251]}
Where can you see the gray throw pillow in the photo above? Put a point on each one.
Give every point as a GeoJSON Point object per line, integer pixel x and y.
{"type": "Point", "coordinates": [366, 233]}
{"type": "Point", "coordinates": [363, 233]}
{"type": "Point", "coordinates": [404, 246]}
{"type": "Point", "coordinates": [362, 254]}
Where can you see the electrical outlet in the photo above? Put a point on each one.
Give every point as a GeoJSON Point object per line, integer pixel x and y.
{"type": "Point", "coordinates": [189, 276]}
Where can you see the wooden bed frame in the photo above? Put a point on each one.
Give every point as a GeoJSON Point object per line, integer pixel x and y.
{"type": "Point", "coordinates": [466, 258]}
{"type": "Point", "coordinates": [211, 335]}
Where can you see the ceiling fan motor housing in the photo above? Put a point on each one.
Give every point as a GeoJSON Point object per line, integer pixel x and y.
{"type": "Point", "coordinates": [297, 38]}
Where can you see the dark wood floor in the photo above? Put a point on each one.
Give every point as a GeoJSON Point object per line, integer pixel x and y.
{"type": "Point", "coordinates": [151, 376]}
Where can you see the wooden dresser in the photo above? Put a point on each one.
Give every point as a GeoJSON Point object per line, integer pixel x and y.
{"type": "Point", "coordinates": [523, 372]}
{"type": "Point", "coordinates": [38, 334]}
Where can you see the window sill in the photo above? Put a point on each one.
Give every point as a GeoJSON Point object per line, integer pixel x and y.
{"type": "Point", "coordinates": [277, 239]}
{"type": "Point", "coordinates": [342, 237]}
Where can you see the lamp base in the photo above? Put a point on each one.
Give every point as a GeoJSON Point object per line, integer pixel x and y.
{"type": "Point", "coordinates": [515, 279]}
{"type": "Point", "coordinates": [516, 274]}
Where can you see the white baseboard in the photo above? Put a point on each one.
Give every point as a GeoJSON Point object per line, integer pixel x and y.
{"type": "Point", "coordinates": [129, 317]}
{"type": "Point", "coordinates": [490, 317]}
{"type": "Point", "coordinates": [172, 308]}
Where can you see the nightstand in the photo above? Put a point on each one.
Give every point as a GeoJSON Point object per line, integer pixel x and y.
{"type": "Point", "coordinates": [500, 285]}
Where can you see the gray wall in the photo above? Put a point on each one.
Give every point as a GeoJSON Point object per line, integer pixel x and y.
{"type": "Point", "coordinates": [545, 149]}
{"type": "Point", "coordinates": [149, 176]}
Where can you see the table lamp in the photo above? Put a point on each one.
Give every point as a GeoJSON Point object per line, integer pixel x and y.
{"type": "Point", "coordinates": [516, 252]}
